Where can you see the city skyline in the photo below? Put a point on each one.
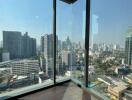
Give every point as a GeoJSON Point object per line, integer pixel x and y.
{"type": "Point", "coordinates": [27, 18]}
{"type": "Point", "coordinates": [36, 53]}
{"type": "Point", "coordinates": [18, 45]}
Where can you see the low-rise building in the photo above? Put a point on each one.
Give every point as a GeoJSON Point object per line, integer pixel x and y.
{"type": "Point", "coordinates": [105, 80]}
{"type": "Point", "coordinates": [25, 67]}
{"type": "Point", "coordinates": [117, 91]}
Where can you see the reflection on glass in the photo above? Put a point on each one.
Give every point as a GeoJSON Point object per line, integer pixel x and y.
{"type": "Point", "coordinates": [110, 68]}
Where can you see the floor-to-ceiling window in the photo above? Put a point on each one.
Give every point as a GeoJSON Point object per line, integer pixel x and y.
{"type": "Point", "coordinates": [78, 40]}
{"type": "Point", "coordinates": [70, 58]}
{"type": "Point", "coordinates": [110, 47]}
{"type": "Point", "coordinates": [63, 40]}
{"type": "Point", "coordinates": [26, 44]}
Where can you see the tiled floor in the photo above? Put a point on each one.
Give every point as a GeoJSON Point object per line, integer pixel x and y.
{"type": "Point", "coordinates": [67, 91]}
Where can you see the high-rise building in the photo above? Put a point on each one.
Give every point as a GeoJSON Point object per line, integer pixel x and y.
{"type": "Point", "coordinates": [5, 56]}
{"type": "Point", "coordinates": [1, 50]}
{"type": "Point", "coordinates": [43, 64]}
{"type": "Point", "coordinates": [33, 46]}
{"type": "Point", "coordinates": [1, 44]}
{"type": "Point", "coordinates": [68, 43]}
{"type": "Point", "coordinates": [28, 46]}
{"type": "Point", "coordinates": [19, 46]}
{"type": "Point", "coordinates": [12, 43]}
{"type": "Point", "coordinates": [59, 67]}
{"type": "Point", "coordinates": [128, 50]}
{"type": "Point", "coordinates": [59, 45]}
{"type": "Point", "coordinates": [68, 58]}
{"type": "Point", "coordinates": [47, 51]}
{"type": "Point", "coordinates": [47, 45]}
{"type": "Point", "coordinates": [64, 45]}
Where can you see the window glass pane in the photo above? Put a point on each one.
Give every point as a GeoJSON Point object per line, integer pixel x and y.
{"type": "Point", "coordinates": [78, 39]}
{"type": "Point", "coordinates": [26, 43]}
{"type": "Point", "coordinates": [64, 43]}
{"type": "Point", "coordinates": [70, 39]}
{"type": "Point", "coordinates": [110, 47]}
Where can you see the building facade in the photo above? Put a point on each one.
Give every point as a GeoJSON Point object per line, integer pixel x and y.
{"type": "Point", "coordinates": [25, 67]}
{"type": "Point", "coordinates": [128, 50]}
{"type": "Point", "coordinates": [68, 58]}
{"type": "Point", "coordinates": [12, 43]}
{"type": "Point", "coordinates": [1, 50]}
{"type": "Point", "coordinates": [19, 46]}
{"type": "Point", "coordinates": [5, 56]}
{"type": "Point", "coordinates": [47, 45]}
{"type": "Point", "coordinates": [28, 46]}
{"type": "Point", "coordinates": [47, 52]}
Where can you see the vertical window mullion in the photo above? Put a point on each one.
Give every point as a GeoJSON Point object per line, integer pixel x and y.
{"type": "Point", "coordinates": [54, 40]}
{"type": "Point", "coordinates": [87, 36]}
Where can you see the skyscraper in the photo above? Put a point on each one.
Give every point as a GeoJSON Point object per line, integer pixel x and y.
{"type": "Point", "coordinates": [33, 44]}
{"type": "Point", "coordinates": [128, 50]}
{"type": "Point", "coordinates": [1, 44]}
{"type": "Point", "coordinates": [68, 43]}
{"type": "Point", "coordinates": [1, 50]}
{"type": "Point", "coordinates": [12, 43]}
{"type": "Point", "coordinates": [5, 56]}
{"type": "Point", "coordinates": [28, 46]}
{"type": "Point", "coordinates": [47, 45]}
{"type": "Point", "coordinates": [68, 58]}
{"type": "Point", "coordinates": [19, 46]}
{"type": "Point", "coordinates": [47, 49]}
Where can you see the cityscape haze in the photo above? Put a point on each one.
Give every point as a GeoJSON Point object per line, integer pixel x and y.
{"type": "Point", "coordinates": [27, 45]}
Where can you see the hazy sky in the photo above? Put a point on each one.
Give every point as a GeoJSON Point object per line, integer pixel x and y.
{"type": "Point", "coordinates": [35, 17]}
{"type": "Point", "coordinates": [114, 17]}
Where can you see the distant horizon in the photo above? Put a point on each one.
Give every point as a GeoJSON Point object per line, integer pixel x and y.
{"type": "Point", "coordinates": [31, 36]}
